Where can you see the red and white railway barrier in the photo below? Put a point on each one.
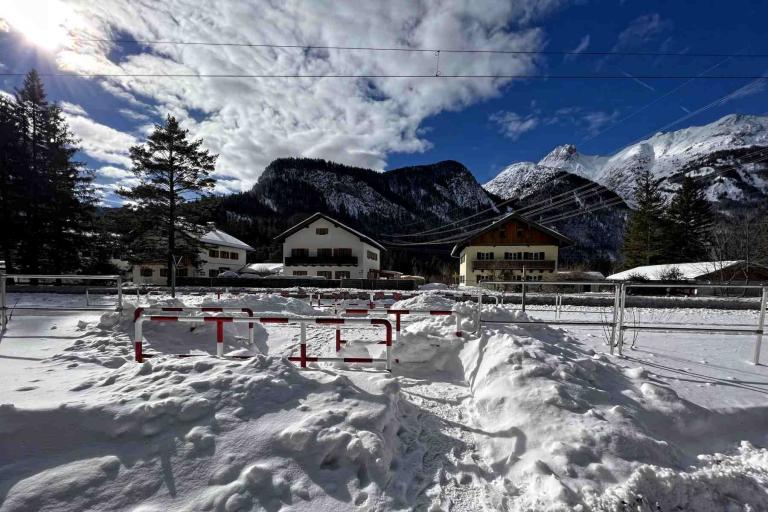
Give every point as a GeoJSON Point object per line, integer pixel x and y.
{"type": "Point", "coordinates": [205, 309]}
{"type": "Point", "coordinates": [398, 314]}
{"type": "Point", "coordinates": [302, 359]}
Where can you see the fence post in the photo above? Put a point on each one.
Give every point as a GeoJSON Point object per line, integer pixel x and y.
{"type": "Point", "coordinates": [3, 302]}
{"type": "Point", "coordinates": [522, 300]}
{"type": "Point", "coordinates": [760, 326]}
{"type": "Point", "coordinates": [303, 347]}
{"type": "Point", "coordinates": [620, 324]}
{"type": "Point", "coordinates": [616, 301]}
{"type": "Point", "coordinates": [120, 293]}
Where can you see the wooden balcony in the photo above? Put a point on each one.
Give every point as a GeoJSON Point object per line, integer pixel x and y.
{"type": "Point", "coordinates": [335, 261]}
{"type": "Point", "coordinates": [513, 264]}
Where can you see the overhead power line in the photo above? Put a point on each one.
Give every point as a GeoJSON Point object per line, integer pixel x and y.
{"type": "Point", "coordinates": [371, 76]}
{"type": "Point", "coordinates": [601, 53]}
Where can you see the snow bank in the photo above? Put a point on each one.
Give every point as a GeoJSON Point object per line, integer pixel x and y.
{"type": "Point", "coordinates": [204, 435]}
{"type": "Point", "coordinates": [560, 425]}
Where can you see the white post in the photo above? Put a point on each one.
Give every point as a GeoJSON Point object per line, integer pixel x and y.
{"type": "Point", "coordinates": [616, 302]}
{"type": "Point", "coordinates": [479, 311]}
{"type": "Point", "coordinates": [119, 293]}
{"type": "Point", "coordinates": [620, 324]}
{"type": "Point", "coordinates": [87, 299]}
{"type": "Point", "coordinates": [3, 303]}
{"type": "Point", "coordinates": [760, 326]}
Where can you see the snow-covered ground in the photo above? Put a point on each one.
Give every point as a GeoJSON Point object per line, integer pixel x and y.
{"type": "Point", "coordinates": [513, 418]}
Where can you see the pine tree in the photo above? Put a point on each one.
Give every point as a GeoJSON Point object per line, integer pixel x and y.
{"type": "Point", "coordinates": [46, 193]}
{"type": "Point", "coordinates": [689, 223]}
{"type": "Point", "coordinates": [645, 236]}
{"type": "Point", "coordinates": [171, 169]}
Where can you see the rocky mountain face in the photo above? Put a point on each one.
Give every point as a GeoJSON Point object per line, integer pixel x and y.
{"type": "Point", "coordinates": [729, 158]}
{"type": "Point", "coordinates": [402, 200]}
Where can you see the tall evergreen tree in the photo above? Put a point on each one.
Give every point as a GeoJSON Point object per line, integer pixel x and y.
{"type": "Point", "coordinates": [645, 236]}
{"type": "Point", "coordinates": [171, 169]}
{"type": "Point", "coordinates": [47, 193]}
{"type": "Point", "coordinates": [689, 223]}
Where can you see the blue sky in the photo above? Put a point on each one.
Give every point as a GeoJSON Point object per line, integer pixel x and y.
{"type": "Point", "coordinates": [384, 123]}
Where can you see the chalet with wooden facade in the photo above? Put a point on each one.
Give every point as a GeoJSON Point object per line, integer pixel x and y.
{"type": "Point", "coordinates": [511, 249]}
{"type": "Point", "coordinates": [320, 246]}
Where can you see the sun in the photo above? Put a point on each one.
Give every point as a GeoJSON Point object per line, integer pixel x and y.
{"type": "Point", "coordinates": [42, 22]}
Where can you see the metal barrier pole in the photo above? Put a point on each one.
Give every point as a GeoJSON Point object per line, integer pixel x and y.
{"type": "Point", "coordinates": [522, 300]}
{"type": "Point", "coordinates": [87, 298]}
{"type": "Point", "coordinates": [303, 347]}
{"type": "Point", "coordinates": [3, 303]}
{"type": "Point", "coordinates": [620, 325]}
{"type": "Point", "coordinates": [119, 293]}
{"type": "Point", "coordinates": [616, 301]}
{"type": "Point", "coordinates": [760, 326]}
{"type": "Point", "coordinates": [137, 338]}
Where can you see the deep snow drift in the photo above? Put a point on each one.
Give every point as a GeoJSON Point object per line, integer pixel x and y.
{"type": "Point", "coordinates": [513, 418]}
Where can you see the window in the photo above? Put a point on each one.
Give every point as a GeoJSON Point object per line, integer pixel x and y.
{"type": "Point", "coordinates": [520, 233]}
{"type": "Point", "coordinates": [234, 256]}
{"type": "Point", "coordinates": [163, 272]}
{"type": "Point", "coordinates": [325, 253]}
{"type": "Point", "coordinates": [509, 255]}
{"type": "Point", "coordinates": [146, 272]}
{"type": "Point", "coordinates": [182, 272]}
{"type": "Point", "coordinates": [299, 272]}
{"type": "Point", "coordinates": [325, 273]}
{"type": "Point", "coordinates": [342, 274]}
{"type": "Point", "coordinates": [224, 255]}
{"type": "Point", "coordinates": [372, 255]}
{"type": "Point", "coordinates": [321, 231]}
{"type": "Point", "coordinates": [541, 255]}
{"type": "Point", "coordinates": [212, 272]}
{"type": "Point", "coordinates": [213, 253]}
{"type": "Point", "coordinates": [342, 252]}
{"type": "Point", "coordinates": [300, 253]}
{"type": "Point", "coordinates": [462, 279]}
{"type": "Point", "coordinates": [485, 256]}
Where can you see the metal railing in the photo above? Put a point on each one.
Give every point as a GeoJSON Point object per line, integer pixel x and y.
{"type": "Point", "coordinates": [302, 358]}
{"type": "Point", "coordinates": [618, 325]}
{"type": "Point", "coordinates": [4, 307]}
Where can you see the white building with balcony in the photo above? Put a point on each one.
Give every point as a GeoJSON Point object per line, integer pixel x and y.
{"type": "Point", "coordinates": [320, 246]}
{"type": "Point", "coordinates": [511, 249]}
{"type": "Point", "coordinates": [219, 252]}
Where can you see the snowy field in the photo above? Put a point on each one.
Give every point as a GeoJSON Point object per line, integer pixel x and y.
{"type": "Point", "coordinates": [513, 418]}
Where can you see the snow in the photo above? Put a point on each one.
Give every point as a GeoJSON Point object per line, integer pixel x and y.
{"type": "Point", "coordinates": [663, 154]}
{"type": "Point", "coordinates": [514, 418]}
{"type": "Point", "coordinates": [218, 237]}
{"type": "Point", "coordinates": [687, 270]}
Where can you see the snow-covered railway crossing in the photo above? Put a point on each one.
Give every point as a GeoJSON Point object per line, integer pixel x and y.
{"type": "Point", "coordinates": [512, 416]}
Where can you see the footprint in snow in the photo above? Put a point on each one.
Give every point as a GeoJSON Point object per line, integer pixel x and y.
{"type": "Point", "coordinates": [26, 388]}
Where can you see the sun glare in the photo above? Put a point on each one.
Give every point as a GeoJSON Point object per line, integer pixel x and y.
{"type": "Point", "coordinates": [43, 23]}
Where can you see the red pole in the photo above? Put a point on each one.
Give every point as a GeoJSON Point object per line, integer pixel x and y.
{"type": "Point", "coordinates": [137, 351]}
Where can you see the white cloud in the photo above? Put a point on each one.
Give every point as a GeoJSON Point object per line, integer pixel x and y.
{"type": "Point", "coordinates": [582, 46]}
{"type": "Point", "coordinates": [115, 173]}
{"type": "Point", "coordinates": [513, 125]}
{"type": "Point", "coordinates": [251, 121]}
{"type": "Point", "coordinates": [100, 141]}
{"type": "Point", "coordinates": [71, 108]}
{"type": "Point", "coordinates": [642, 30]}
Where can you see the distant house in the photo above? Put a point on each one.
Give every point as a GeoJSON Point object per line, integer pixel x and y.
{"type": "Point", "coordinates": [732, 272]}
{"type": "Point", "coordinates": [320, 246]}
{"type": "Point", "coordinates": [219, 252]}
{"type": "Point", "coordinates": [511, 249]}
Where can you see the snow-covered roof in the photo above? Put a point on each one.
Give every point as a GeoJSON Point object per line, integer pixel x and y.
{"type": "Point", "coordinates": [218, 237]}
{"type": "Point", "coordinates": [687, 270]}
{"type": "Point", "coordinates": [264, 268]}
{"type": "Point", "coordinates": [309, 220]}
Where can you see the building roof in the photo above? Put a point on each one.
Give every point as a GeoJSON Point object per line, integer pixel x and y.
{"type": "Point", "coordinates": [263, 268]}
{"type": "Point", "coordinates": [218, 237]}
{"type": "Point", "coordinates": [510, 216]}
{"type": "Point", "coordinates": [312, 218]}
{"type": "Point", "coordinates": [687, 270]}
